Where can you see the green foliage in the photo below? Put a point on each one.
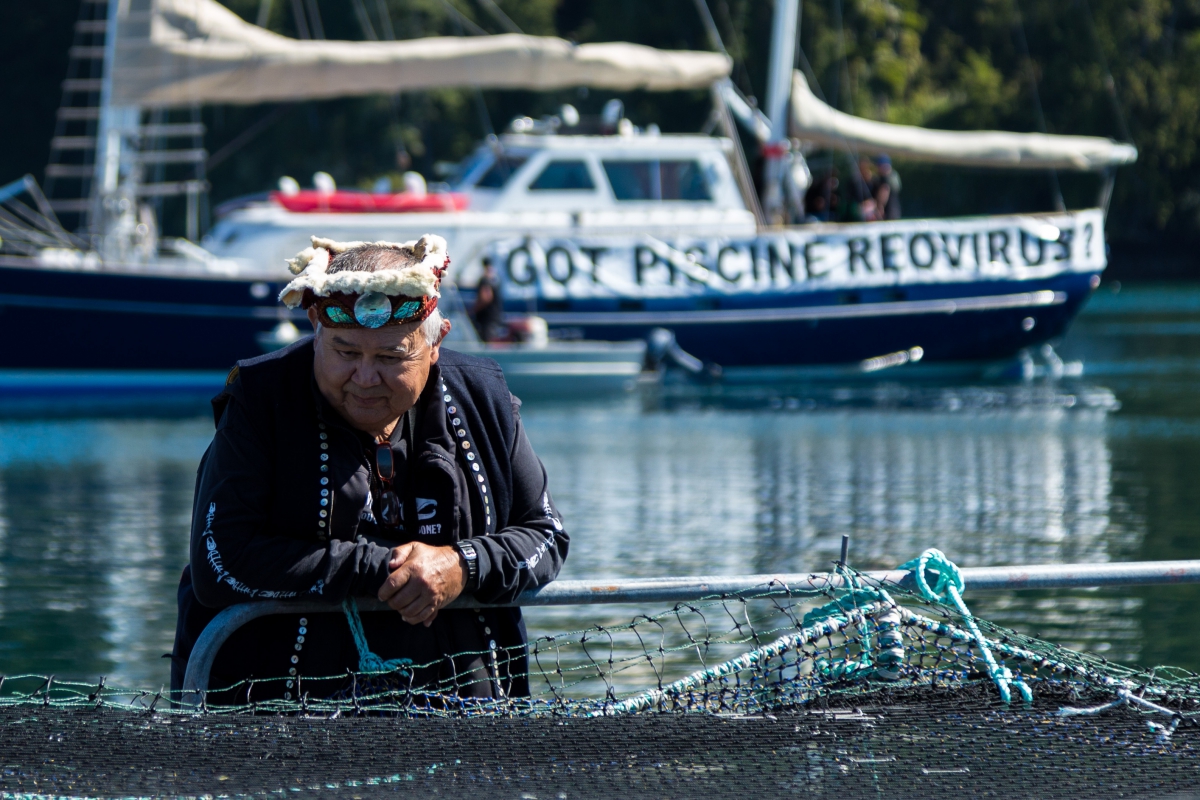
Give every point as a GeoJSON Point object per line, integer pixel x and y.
{"type": "Point", "coordinates": [1127, 69]}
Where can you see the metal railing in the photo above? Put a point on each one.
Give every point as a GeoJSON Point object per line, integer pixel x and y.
{"type": "Point", "coordinates": [691, 589]}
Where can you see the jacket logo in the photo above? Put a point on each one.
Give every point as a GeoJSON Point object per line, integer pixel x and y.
{"type": "Point", "coordinates": [426, 508]}
{"type": "Point", "coordinates": [366, 514]}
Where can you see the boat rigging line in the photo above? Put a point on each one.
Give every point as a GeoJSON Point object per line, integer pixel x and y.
{"type": "Point", "coordinates": [1040, 115]}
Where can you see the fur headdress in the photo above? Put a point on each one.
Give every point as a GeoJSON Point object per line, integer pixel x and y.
{"type": "Point", "coordinates": [406, 292]}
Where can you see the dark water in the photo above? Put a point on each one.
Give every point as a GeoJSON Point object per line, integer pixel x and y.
{"type": "Point", "coordinates": [94, 513]}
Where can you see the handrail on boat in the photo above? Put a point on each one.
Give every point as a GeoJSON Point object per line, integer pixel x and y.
{"type": "Point", "coordinates": [691, 589]}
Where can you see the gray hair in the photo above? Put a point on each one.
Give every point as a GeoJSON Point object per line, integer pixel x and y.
{"type": "Point", "coordinates": [431, 327]}
{"type": "Point", "coordinates": [371, 257]}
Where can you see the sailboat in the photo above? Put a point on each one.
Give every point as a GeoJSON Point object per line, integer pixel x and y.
{"type": "Point", "coordinates": [604, 234]}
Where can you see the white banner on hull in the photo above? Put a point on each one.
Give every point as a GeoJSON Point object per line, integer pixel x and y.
{"type": "Point", "coordinates": [803, 259]}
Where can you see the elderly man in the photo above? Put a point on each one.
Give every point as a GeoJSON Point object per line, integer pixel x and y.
{"type": "Point", "coordinates": [368, 461]}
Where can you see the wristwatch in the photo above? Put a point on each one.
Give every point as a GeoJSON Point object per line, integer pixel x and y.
{"type": "Point", "coordinates": [472, 558]}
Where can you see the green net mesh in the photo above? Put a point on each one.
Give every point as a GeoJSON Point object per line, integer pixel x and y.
{"type": "Point", "coordinates": [869, 690]}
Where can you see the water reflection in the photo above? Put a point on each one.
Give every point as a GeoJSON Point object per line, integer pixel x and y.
{"type": "Point", "coordinates": [93, 532]}
{"type": "Point", "coordinates": [694, 491]}
{"type": "Point", "coordinates": [94, 514]}
{"type": "Point", "coordinates": [701, 490]}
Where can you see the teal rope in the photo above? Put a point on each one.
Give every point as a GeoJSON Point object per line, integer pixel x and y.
{"type": "Point", "coordinates": [840, 610]}
{"type": "Point", "coordinates": [884, 662]}
{"type": "Point", "coordinates": [368, 661]}
{"type": "Point", "coordinates": [808, 634]}
{"type": "Point", "coordinates": [948, 584]}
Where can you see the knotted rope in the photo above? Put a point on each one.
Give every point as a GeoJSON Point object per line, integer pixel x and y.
{"type": "Point", "coordinates": [948, 585]}
{"type": "Point", "coordinates": [368, 661]}
{"type": "Point", "coordinates": [884, 663]}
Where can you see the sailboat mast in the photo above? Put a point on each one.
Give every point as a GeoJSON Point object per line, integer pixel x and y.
{"type": "Point", "coordinates": [114, 190]}
{"type": "Point", "coordinates": [108, 143]}
{"type": "Point", "coordinates": [779, 84]}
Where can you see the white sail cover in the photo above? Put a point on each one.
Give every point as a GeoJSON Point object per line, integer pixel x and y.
{"type": "Point", "coordinates": [814, 121]}
{"type": "Point", "coordinates": [180, 52]}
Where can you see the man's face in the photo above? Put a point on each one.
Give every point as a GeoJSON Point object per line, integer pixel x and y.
{"type": "Point", "coordinates": [372, 376]}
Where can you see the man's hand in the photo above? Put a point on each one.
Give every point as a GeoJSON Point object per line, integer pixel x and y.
{"type": "Point", "coordinates": [423, 580]}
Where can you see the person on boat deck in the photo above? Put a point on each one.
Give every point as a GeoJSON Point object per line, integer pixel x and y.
{"type": "Point", "coordinates": [860, 200]}
{"type": "Point", "coordinates": [886, 188]}
{"type": "Point", "coordinates": [821, 202]}
{"type": "Point", "coordinates": [488, 309]}
{"type": "Point", "coordinates": [367, 461]}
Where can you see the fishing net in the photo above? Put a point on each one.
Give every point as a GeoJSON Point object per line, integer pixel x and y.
{"type": "Point", "coordinates": [849, 690]}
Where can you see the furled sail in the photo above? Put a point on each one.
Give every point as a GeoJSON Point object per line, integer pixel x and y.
{"type": "Point", "coordinates": [814, 121]}
{"type": "Point", "coordinates": [180, 52]}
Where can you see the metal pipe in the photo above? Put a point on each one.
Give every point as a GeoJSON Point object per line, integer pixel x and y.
{"type": "Point", "coordinates": [1064, 576]}
{"type": "Point", "coordinates": [683, 590]}
{"type": "Point", "coordinates": [692, 589]}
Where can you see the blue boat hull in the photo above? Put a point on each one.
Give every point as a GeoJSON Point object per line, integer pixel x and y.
{"type": "Point", "coordinates": [60, 319]}
{"type": "Point", "coordinates": [68, 319]}
{"type": "Point", "coordinates": [970, 321]}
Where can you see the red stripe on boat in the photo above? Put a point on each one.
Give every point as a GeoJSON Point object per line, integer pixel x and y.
{"type": "Point", "coordinates": [309, 201]}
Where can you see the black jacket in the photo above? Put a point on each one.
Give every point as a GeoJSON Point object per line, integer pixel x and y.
{"type": "Point", "coordinates": [285, 507]}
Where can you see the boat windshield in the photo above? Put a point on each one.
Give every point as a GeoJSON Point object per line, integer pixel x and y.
{"type": "Point", "coordinates": [563, 176]}
{"type": "Point", "coordinates": [465, 169]}
{"type": "Point", "coordinates": [502, 169]}
{"type": "Point", "coordinates": [657, 180]}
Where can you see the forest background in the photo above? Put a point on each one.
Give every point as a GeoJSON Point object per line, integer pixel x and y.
{"type": "Point", "coordinates": [1125, 69]}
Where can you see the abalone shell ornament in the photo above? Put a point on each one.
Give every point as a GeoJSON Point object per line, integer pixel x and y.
{"type": "Point", "coordinates": [373, 310]}
{"type": "Point", "coordinates": [407, 309]}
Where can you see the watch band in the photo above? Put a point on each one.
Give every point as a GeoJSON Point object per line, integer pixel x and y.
{"type": "Point", "coordinates": [472, 558]}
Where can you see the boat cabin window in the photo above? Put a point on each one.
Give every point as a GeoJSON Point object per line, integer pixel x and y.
{"type": "Point", "coordinates": [657, 180]}
{"type": "Point", "coordinates": [564, 176]}
{"type": "Point", "coordinates": [502, 169]}
{"type": "Point", "coordinates": [683, 180]}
